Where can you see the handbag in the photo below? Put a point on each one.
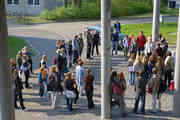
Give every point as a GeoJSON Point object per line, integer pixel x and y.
{"type": "Point", "coordinates": [130, 69]}
{"type": "Point", "coordinates": [117, 90]}
{"type": "Point", "coordinates": [70, 94]}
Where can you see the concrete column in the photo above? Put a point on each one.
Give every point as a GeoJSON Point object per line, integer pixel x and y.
{"type": "Point", "coordinates": [6, 104]}
{"type": "Point", "coordinates": [176, 106]}
{"type": "Point", "coordinates": [105, 57]}
{"type": "Point", "coordinates": [155, 23]}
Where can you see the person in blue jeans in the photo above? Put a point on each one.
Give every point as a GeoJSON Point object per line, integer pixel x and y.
{"type": "Point", "coordinates": [115, 41]}
{"type": "Point", "coordinates": [130, 69]}
{"type": "Point", "coordinates": [69, 86]}
{"type": "Point", "coordinates": [140, 92]}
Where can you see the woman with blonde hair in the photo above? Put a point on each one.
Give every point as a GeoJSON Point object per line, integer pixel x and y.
{"type": "Point", "coordinates": [25, 68]}
{"type": "Point", "coordinates": [43, 61]}
{"type": "Point", "coordinates": [130, 68]}
{"type": "Point", "coordinates": [43, 75]}
{"type": "Point", "coordinates": [137, 67]}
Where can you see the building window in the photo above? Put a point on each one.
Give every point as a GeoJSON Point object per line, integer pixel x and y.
{"type": "Point", "coordinates": [36, 2]}
{"type": "Point", "coordinates": [30, 2]}
{"type": "Point", "coordinates": [9, 1]}
{"type": "Point", "coordinates": [16, 2]}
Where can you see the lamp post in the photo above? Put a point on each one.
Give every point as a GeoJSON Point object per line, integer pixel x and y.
{"type": "Point", "coordinates": [105, 58]}
{"type": "Point", "coordinates": [176, 106]}
{"type": "Point", "coordinates": [155, 23]}
{"type": "Point", "coordinates": [6, 104]}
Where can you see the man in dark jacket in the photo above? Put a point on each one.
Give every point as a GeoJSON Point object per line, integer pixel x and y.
{"type": "Point", "coordinates": [17, 87]}
{"type": "Point", "coordinates": [89, 44]}
{"type": "Point", "coordinates": [115, 41]}
{"type": "Point", "coordinates": [140, 91]}
{"type": "Point", "coordinates": [60, 63]}
{"type": "Point", "coordinates": [95, 42]}
{"type": "Point", "coordinates": [117, 26]}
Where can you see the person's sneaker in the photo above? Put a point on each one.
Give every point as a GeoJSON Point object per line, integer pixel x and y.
{"type": "Point", "coordinates": [16, 107]}
{"type": "Point", "coordinates": [23, 108]}
{"type": "Point", "coordinates": [153, 112]}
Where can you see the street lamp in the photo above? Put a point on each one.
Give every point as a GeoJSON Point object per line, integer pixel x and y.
{"type": "Point", "coordinates": [176, 106]}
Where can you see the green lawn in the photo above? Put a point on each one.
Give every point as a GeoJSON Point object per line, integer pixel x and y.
{"type": "Point", "coordinates": [16, 44]}
{"type": "Point", "coordinates": [168, 30]}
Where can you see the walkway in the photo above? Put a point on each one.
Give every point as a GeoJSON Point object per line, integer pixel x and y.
{"type": "Point", "coordinates": [42, 39]}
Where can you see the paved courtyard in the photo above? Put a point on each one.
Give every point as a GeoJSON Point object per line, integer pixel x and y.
{"type": "Point", "coordinates": [42, 39]}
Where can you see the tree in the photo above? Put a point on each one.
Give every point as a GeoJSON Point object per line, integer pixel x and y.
{"type": "Point", "coordinates": [65, 2]}
{"type": "Point", "coordinates": [6, 103]}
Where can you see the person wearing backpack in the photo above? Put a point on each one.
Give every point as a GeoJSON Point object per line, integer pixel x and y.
{"type": "Point", "coordinates": [154, 84]}
{"type": "Point", "coordinates": [53, 85]}
{"type": "Point", "coordinates": [140, 92]}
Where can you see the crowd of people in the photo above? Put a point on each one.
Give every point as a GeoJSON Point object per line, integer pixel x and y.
{"type": "Point", "coordinates": [150, 70]}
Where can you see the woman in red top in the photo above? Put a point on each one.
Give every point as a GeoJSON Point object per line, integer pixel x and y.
{"type": "Point", "coordinates": [141, 40]}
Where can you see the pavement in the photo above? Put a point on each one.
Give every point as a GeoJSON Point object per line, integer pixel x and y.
{"type": "Point", "coordinates": [42, 38]}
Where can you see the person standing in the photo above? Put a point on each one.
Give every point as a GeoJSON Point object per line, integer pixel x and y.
{"type": "Point", "coordinates": [115, 41]}
{"type": "Point", "coordinates": [117, 26]}
{"type": "Point", "coordinates": [69, 89]}
{"type": "Point", "coordinates": [154, 84]}
{"type": "Point", "coordinates": [130, 69]}
{"type": "Point", "coordinates": [164, 47]}
{"type": "Point", "coordinates": [122, 86]}
{"type": "Point", "coordinates": [80, 74]}
{"type": "Point", "coordinates": [140, 92]}
{"type": "Point", "coordinates": [19, 59]}
{"type": "Point", "coordinates": [89, 80]}
{"type": "Point", "coordinates": [141, 40]}
{"type": "Point", "coordinates": [81, 44]}
{"type": "Point", "coordinates": [76, 47]}
{"type": "Point", "coordinates": [53, 86]}
{"type": "Point", "coordinates": [43, 76]}
{"type": "Point", "coordinates": [59, 64]}
{"type": "Point", "coordinates": [17, 88]}
{"type": "Point", "coordinates": [148, 46]}
{"type": "Point", "coordinates": [89, 44]}
{"type": "Point", "coordinates": [43, 61]}
{"type": "Point", "coordinates": [69, 53]}
{"type": "Point", "coordinates": [25, 70]}
{"type": "Point", "coordinates": [169, 67]}
{"type": "Point", "coordinates": [137, 67]}
{"type": "Point", "coordinates": [126, 45]}
{"type": "Point", "coordinates": [159, 50]}
{"type": "Point", "coordinates": [96, 39]}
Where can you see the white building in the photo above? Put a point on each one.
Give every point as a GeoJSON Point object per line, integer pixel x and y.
{"type": "Point", "coordinates": [173, 3]}
{"type": "Point", "coordinates": [31, 7]}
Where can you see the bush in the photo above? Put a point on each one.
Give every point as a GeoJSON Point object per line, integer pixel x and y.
{"type": "Point", "coordinates": [92, 10]}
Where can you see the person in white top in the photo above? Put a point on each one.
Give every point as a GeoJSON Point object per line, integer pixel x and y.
{"type": "Point", "coordinates": [148, 46]}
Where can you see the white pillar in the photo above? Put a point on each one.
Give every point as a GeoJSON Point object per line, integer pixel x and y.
{"type": "Point", "coordinates": [6, 104]}
{"type": "Point", "coordinates": [155, 23]}
{"type": "Point", "coordinates": [105, 57]}
{"type": "Point", "coordinates": [176, 106]}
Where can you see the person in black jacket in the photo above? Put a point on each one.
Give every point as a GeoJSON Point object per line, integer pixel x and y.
{"type": "Point", "coordinates": [17, 88]}
{"type": "Point", "coordinates": [95, 42]}
{"type": "Point", "coordinates": [60, 62]}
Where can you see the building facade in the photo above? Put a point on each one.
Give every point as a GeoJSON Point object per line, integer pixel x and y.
{"type": "Point", "coordinates": [173, 3]}
{"type": "Point", "coordinates": [31, 7]}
